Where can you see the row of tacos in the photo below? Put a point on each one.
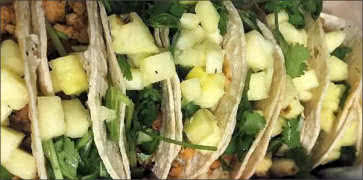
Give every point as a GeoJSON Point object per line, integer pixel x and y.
{"type": "Point", "coordinates": [177, 89]}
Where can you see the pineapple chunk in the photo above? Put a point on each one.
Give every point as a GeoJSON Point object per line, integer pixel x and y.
{"type": "Point", "coordinates": [136, 59]}
{"type": "Point", "coordinates": [136, 83]}
{"type": "Point", "coordinates": [327, 119]}
{"type": "Point", "coordinates": [290, 92]}
{"type": "Point", "coordinates": [22, 164]}
{"type": "Point", "coordinates": [76, 117]}
{"type": "Point", "coordinates": [282, 16]}
{"type": "Point", "coordinates": [350, 134]}
{"type": "Point", "coordinates": [189, 21]}
{"type": "Point", "coordinates": [190, 57]}
{"type": "Point", "coordinates": [215, 37]}
{"type": "Point", "coordinates": [338, 69]}
{"type": "Point", "coordinates": [307, 81]}
{"type": "Point", "coordinates": [10, 140]}
{"type": "Point", "coordinates": [13, 90]}
{"type": "Point", "coordinates": [11, 57]}
{"type": "Point", "coordinates": [131, 38]}
{"type": "Point", "coordinates": [200, 126]}
{"type": "Point", "coordinates": [208, 15]}
{"type": "Point", "coordinates": [263, 167]}
{"type": "Point", "coordinates": [257, 87]}
{"type": "Point", "coordinates": [198, 72]}
{"type": "Point", "coordinates": [334, 39]}
{"type": "Point", "coordinates": [214, 138]}
{"type": "Point", "coordinates": [5, 112]}
{"type": "Point", "coordinates": [157, 68]}
{"type": "Point", "coordinates": [305, 96]}
{"type": "Point", "coordinates": [212, 91]}
{"type": "Point", "coordinates": [293, 110]}
{"type": "Point", "coordinates": [191, 89]}
{"type": "Point", "coordinates": [293, 35]}
{"type": "Point", "coordinates": [188, 38]}
{"type": "Point", "coordinates": [55, 82]}
{"type": "Point", "coordinates": [259, 51]}
{"type": "Point", "coordinates": [277, 128]}
{"type": "Point", "coordinates": [51, 117]}
{"type": "Point", "coordinates": [333, 95]}
{"type": "Point", "coordinates": [69, 73]}
{"type": "Point", "coordinates": [214, 58]}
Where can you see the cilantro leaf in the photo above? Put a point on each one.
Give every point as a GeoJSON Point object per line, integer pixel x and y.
{"type": "Point", "coordinates": [164, 20]}
{"type": "Point", "coordinates": [341, 52]}
{"type": "Point", "coordinates": [124, 66]}
{"type": "Point", "coordinates": [253, 123]}
{"type": "Point", "coordinates": [345, 94]}
{"type": "Point", "coordinates": [314, 7]}
{"type": "Point", "coordinates": [291, 133]}
{"type": "Point", "coordinates": [295, 60]}
{"type": "Point", "coordinates": [275, 144]}
{"type": "Point", "coordinates": [4, 174]}
{"type": "Point", "coordinates": [51, 154]}
{"type": "Point", "coordinates": [302, 160]}
{"type": "Point", "coordinates": [68, 158]}
{"type": "Point", "coordinates": [188, 109]}
{"type": "Point", "coordinates": [223, 14]}
{"type": "Point", "coordinates": [249, 19]}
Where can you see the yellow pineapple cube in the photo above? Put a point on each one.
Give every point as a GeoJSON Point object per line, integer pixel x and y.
{"type": "Point", "coordinates": [10, 140]}
{"type": "Point", "coordinates": [198, 72]}
{"type": "Point", "coordinates": [21, 164]}
{"type": "Point", "coordinates": [69, 73]}
{"type": "Point", "coordinates": [13, 90]}
{"type": "Point", "coordinates": [76, 117]}
{"type": "Point", "coordinates": [11, 57]}
{"type": "Point", "coordinates": [327, 120]}
{"type": "Point", "coordinates": [333, 96]}
{"type": "Point", "coordinates": [51, 117]}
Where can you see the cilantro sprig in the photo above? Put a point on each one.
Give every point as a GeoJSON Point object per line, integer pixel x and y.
{"type": "Point", "coordinates": [124, 66]}
{"type": "Point", "coordinates": [341, 52]}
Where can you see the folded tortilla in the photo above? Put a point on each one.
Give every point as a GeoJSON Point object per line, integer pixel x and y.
{"type": "Point", "coordinates": [354, 60]}
{"type": "Point", "coordinates": [94, 63]}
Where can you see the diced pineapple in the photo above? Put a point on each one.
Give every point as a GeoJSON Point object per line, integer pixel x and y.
{"type": "Point", "coordinates": [338, 69]}
{"type": "Point", "coordinates": [55, 82]}
{"type": "Point", "coordinates": [307, 81]}
{"type": "Point", "coordinates": [136, 83]}
{"type": "Point", "coordinates": [333, 95]}
{"type": "Point", "coordinates": [188, 38]}
{"type": "Point", "coordinates": [212, 91]}
{"type": "Point", "coordinates": [189, 21]}
{"type": "Point", "coordinates": [334, 39]}
{"type": "Point", "coordinates": [263, 167]}
{"type": "Point", "coordinates": [293, 110]}
{"type": "Point", "coordinates": [293, 35]}
{"type": "Point", "coordinates": [11, 57]}
{"type": "Point", "coordinates": [191, 89]}
{"type": "Point", "coordinates": [5, 112]}
{"type": "Point", "coordinates": [69, 73]}
{"type": "Point", "coordinates": [199, 126]}
{"type": "Point", "coordinates": [215, 37]}
{"type": "Point", "coordinates": [277, 128]}
{"type": "Point", "coordinates": [259, 51]}
{"type": "Point", "coordinates": [350, 134]}
{"type": "Point", "coordinates": [282, 16]}
{"type": "Point", "coordinates": [208, 15]}
{"type": "Point", "coordinates": [21, 164]}
{"type": "Point", "coordinates": [10, 140]}
{"type": "Point", "coordinates": [76, 117]}
{"type": "Point", "coordinates": [327, 119]}
{"type": "Point", "coordinates": [257, 87]}
{"type": "Point", "coordinates": [290, 92]}
{"type": "Point", "coordinates": [51, 117]}
{"type": "Point", "coordinates": [157, 68]}
{"type": "Point", "coordinates": [133, 37]}
{"type": "Point", "coordinates": [198, 72]}
{"type": "Point", "coordinates": [190, 57]}
{"type": "Point", "coordinates": [214, 58]}
{"type": "Point", "coordinates": [136, 59]}
{"type": "Point", "coordinates": [332, 156]}
{"type": "Point", "coordinates": [305, 96]}
{"type": "Point", "coordinates": [212, 139]}
{"type": "Point", "coordinates": [13, 90]}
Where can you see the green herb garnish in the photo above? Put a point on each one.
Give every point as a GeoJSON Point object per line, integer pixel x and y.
{"type": "Point", "coordinates": [52, 33]}
{"type": "Point", "coordinates": [4, 174]}
{"type": "Point", "coordinates": [341, 52]}
{"type": "Point", "coordinates": [124, 66]}
{"type": "Point", "coordinates": [188, 109]}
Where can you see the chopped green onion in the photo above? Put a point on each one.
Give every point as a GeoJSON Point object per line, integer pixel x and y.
{"type": "Point", "coordinates": [62, 35]}
{"type": "Point", "coordinates": [184, 144]}
{"type": "Point", "coordinates": [55, 39]}
{"type": "Point", "coordinates": [50, 153]}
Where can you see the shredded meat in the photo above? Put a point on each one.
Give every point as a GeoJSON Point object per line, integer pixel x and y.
{"type": "Point", "coordinates": [187, 153]}
{"type": "Point", "coordinates": [79, 7]}
{"type": "Point", "coordinates": [176, 169]}
{"type": "Point", "coordinates": [54, 10]}
{"type": "Point", "coordinates": [7, 19]}
{"type": "Point", "coordinates": [76, 21]}
{"type": "Point", "coordinates": [19, 120]}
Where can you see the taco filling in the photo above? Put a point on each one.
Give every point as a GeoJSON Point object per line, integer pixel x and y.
{"type": "Point", "coordinates": [16, 152]}
{"type": "Point", "coordinates": [64, 118]}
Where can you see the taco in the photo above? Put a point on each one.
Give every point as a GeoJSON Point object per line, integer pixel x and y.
{"type": "Point", "coordinates": [344, 42]}
{"type": "Point", "coordinates": [70, 124]}
{"type": "Point", "coordinates": [18, 145]}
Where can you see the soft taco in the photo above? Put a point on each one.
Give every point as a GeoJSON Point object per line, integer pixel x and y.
{"type": "Point", "coordinates": [71, 125]}
{"type": "Point", "coordinates": [344, 42]}
{"type": "Point", "coordinates": [18, 134]}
